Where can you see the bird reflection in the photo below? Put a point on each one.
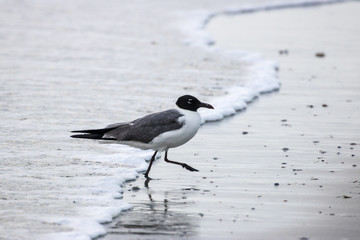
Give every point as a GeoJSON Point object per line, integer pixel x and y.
{"type": "Point", "coordinates": [146, 183]}
{"type": "Point", "coordinates": [156, 214]}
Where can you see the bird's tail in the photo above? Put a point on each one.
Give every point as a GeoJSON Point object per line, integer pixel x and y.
{"type": "Point", "coordinates": [93, 133]}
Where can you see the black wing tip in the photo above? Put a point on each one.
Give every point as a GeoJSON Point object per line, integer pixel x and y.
{"type": "Point", "coordinates": [75, 131]}
{"type": "Point", "coordinates": [76, 136]}
{"type": "Point", "coordinates": [95, 131]}
{"type": "Point", "coordinates": [87, 136]}
{"type": "Point", "coordinates": [85, 131]}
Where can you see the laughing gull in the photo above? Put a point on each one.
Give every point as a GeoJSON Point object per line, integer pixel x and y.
{"type": "Point", "coordinates": [158, 131]}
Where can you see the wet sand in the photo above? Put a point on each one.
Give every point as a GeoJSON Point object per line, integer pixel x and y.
{"type": "Point", "coordinates": [286, 168]}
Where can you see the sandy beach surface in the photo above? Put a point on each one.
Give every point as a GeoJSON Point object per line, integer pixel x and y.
{"type": "Point", "coordinates": [288, 166]}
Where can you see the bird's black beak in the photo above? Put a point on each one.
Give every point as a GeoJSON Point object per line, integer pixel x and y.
{"type": "Point", "coordinates": [206, 105]}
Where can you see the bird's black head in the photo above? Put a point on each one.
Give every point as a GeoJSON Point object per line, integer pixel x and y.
{"type": "Point", "coordinates": [191, 103]}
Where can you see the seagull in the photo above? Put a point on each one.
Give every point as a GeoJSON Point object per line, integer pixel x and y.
{"type": "Point", "coordinates": [157, 131]}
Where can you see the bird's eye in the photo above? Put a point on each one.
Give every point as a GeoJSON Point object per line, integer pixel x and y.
{"type": "Point", "coordinates": [190, 101]}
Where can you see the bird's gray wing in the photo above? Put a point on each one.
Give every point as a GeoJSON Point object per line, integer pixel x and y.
{"type": "Point", "coordinates": [145, 129]}
{"type": "Point", "coordinates": [117, 124]}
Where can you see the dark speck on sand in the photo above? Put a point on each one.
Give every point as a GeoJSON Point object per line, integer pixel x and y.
{"type": "Point", "coordinates": [320, 54]}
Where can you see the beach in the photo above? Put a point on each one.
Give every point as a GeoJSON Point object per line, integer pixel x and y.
{"type": "Point", "coordinates": [284, 166]}
{"type": "Point", "coordinates": [288, 166]}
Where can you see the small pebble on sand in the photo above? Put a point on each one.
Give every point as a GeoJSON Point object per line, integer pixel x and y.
{"type": "Point", "coordinates": [285, 149]}
{"type": "Point", "coordinates": [320, 54]}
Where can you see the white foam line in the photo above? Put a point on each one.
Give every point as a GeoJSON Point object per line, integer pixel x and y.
{"type": "Point", "coordinates": [195, 21]}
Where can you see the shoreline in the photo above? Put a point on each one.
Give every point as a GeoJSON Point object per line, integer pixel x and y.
{"type": "Point", "coordinates": [289, 168]}
{"type": "Point", "coordinates": [54, 82]}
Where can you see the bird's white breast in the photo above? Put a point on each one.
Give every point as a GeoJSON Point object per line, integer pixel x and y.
{"type": "Point", "coordinates": [171, 139]}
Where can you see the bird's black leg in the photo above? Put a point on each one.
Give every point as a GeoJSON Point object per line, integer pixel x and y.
{"type": "Point", "coordinates": [184, 165]}
{"type": "Point", "coordinates": [150, 164]}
